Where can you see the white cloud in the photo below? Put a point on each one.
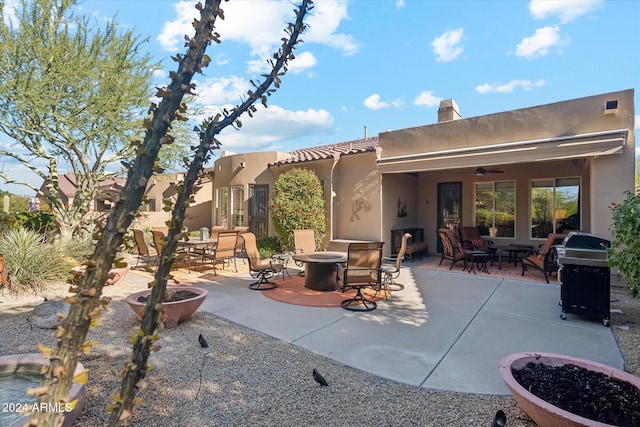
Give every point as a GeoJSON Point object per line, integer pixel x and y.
{"type": "Point", "coordinates": [428, 99]}
{"type": "Point", "coordinates": [267, 127]}
{"type": "Point", "coordinates": [323, 26]}
{"type": "Point", "coordinates": [302, 62]}
{"type": "Point", "coordinates": [225, 90]}
{"type": "Point", "coordinates": [399, 4]}
{"type": "Point", "coordinates": [637, 122]}
{"type": "Point", "coordinates": [508, 87]}
{"type": "Point", "coordinates": [541, 43]}
{"type": "Point", "coordinates": [274, 125]}
{"type": "Point", "coordinates": [260, 25]}
{"type": "Point", "coordinates": [171, 38]}
{"type": "Point", "coordinates": [447, 46]}
{"type": "Point", "coordinates": [373, 102]}
{"type": "Point", "coordinates": [9, 12]}
{"type": "Point", "coordinates": [159, 74]}
{"type": "Point", "coordinates": [565, 11]}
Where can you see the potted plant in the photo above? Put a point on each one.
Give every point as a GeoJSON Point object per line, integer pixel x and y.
{"type": "Point", "coordinates": [559, 390]}
{"type": "Point", "coordinates": [180, 302]}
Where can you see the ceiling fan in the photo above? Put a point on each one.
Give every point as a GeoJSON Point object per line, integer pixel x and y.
{"type": "Point", "coordinates": [480, 171]}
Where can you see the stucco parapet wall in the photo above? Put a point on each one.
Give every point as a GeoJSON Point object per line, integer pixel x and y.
{"type": "Point", "coordinates": [561, 119]}
{"type": "Point", "coordinates": [566, 147]}
{"type": "Point", "coordinates": [576, 128]}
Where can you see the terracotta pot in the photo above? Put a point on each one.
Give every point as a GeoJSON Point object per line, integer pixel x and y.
{"type": "Point", "coordinates": [542, 412]}
{"type": "Point", "coordinates": [114, 276]}
{"type": "Point", "coordinates": [33, 363]}
{"type": "Point", "coordinates": [176, 311]}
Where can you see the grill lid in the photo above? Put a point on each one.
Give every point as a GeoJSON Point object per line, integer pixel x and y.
{"type": "Point", "coordinates": [580, 248]}
{"type": "Point", "coordinates": [582, 240]}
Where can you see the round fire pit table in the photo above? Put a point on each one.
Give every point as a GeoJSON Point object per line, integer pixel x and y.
{"type": "Point", "coordinates": [320, 272]}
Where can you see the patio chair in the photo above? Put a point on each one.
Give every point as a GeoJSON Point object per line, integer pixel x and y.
{"type": "Point", "coordinates": [304, 241]}
{"type": "Point", "coordinates": [362, 271]}
{"type": "Point", "coordinates": [392, 271]}
{"type": "Point", "coordinates": [257, 269]}
{"type": "Point", "coordinates": [546, 260]}
{"type": "Point", "coordinates": [240, 252]}
{"type": "Point", "coordinates": [159, 242]}
{"type": "Point", "coordinates": [224, 250]}
{"type": "Point", "coordinates": [215, 230]}
{"type": "Point", "coordinates": [451, 248]}
{"type": "Point", "coordinates": [471, 239]}
{"type": "Point", "coordinates": [143, 248]}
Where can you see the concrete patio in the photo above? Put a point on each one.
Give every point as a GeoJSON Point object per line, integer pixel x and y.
{"type": "Point", "coordinates": [445, 331]}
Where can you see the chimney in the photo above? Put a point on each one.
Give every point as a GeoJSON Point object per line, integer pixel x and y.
{"type": "Point", "coordinates": [448, 111]}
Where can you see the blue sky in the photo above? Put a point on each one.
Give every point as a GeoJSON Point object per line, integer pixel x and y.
{"type": "Point", "coordinates": [385, 64]}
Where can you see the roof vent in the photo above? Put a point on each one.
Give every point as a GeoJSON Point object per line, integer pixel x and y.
{"type": "Point", "coordinates": [611, 107]}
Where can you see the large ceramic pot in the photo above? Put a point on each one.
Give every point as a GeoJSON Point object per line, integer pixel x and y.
{"type": "Point", "coordinates": [114, 276]}
{"type": "Point", "coordinates": [542, 412]}
{"type": "Point", "coordinates": [176, 311]}
{"type": "Point", "coordinates": [32, 363]}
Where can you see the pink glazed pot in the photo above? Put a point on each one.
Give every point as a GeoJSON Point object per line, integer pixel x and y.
{"type": "Point", "coordinates": [176, 311]}
{"type": "Point", "coordinates": [542, 412]}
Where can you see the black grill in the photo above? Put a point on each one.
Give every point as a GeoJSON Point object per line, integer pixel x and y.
{"type": "Point", "coordinates": [585, 276]}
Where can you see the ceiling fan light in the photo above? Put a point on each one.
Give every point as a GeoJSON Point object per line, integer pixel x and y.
{"type": "Point", "coordinates": [480, 172]}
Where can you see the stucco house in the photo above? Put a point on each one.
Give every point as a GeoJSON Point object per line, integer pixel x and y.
{"type": "Point", "coordinates": [160, 187]}
{"type": "Point", "coordinates": [517, 175]}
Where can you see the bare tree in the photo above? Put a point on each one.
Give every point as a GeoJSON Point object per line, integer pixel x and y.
{"type": "Point", "coordinates": [87, 303]}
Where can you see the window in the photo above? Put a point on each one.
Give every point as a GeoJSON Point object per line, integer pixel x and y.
{"type": "Point", "coordinates": [237, 200]}
{"type": "Point", "coordinates": [555, 206]}
{"type": "Point", "coordinates": [496, 208]}
{"type": "Point", "coordinates": [223, 206]}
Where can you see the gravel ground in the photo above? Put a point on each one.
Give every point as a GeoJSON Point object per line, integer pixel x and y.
{"type": "Point", "coordinates": [247, 378]}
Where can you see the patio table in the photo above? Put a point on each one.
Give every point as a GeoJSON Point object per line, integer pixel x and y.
{"type": "Point", "coordinates": [321, 269]}
{"type": "Point", "coordinates": [515, 253]}
{"type": "Point", "coordinates": [192, 244]}
{"type": "Point", "coordinates": [477, 259]}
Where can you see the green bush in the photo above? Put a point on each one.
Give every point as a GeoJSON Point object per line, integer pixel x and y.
{"type": "Point", "coordinates": [32, 260]}
{"type": "Point", "coordinates": [36, 221]}
{"type": "Point", "coordinates": [267, 246]}
{"type": "Point", "coordinates": [298, 204]}
{"type": "Point", "coordinates": [625, 247]}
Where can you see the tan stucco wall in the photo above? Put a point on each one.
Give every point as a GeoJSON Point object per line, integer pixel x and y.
{"type": "Point", "coordinates": [244, 170]}
{"type": "Point", "coordinates": [605, 178]}
{"type": "Point", "coordinates": [583, 115]}
{"type": "Point", "coordinates": [358, 199]}
{"type": "Point", "coordinates": [400, 189]}
{"type": "Point", "coordinates": [161, 187]}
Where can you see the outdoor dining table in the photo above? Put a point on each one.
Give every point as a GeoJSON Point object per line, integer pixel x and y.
{"type": "Point", "coordinates": [321, 269]}
{"type": "Point", "coordinates": [193, 243]}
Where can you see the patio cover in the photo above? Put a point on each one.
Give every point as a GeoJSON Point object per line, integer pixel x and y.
{"type": "Point", "coordinates": [537, 150]}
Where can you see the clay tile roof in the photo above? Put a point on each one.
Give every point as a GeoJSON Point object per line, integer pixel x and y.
{"type": "Point", "coordinates": [329, 151]}
{"type": "Point", "coordinates": [67, 184]}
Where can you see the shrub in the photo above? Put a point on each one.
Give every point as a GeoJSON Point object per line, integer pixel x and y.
{"type": "Point", "coordinates": [32, 261]}
{"type": "Point", "coordinates": [36, 221]}
{"type": "Point", "coordinates": [267, 246]}
{"type": "Point", "coordinates": [298, 204]}
{"type": "Point", "coordinates": [625, 247]}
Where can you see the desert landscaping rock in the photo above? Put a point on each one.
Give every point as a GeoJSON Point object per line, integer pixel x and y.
{"type": "Point", "coordinates": [45, 315]}
{"type": "Point", "coordinates": [247, 378]}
